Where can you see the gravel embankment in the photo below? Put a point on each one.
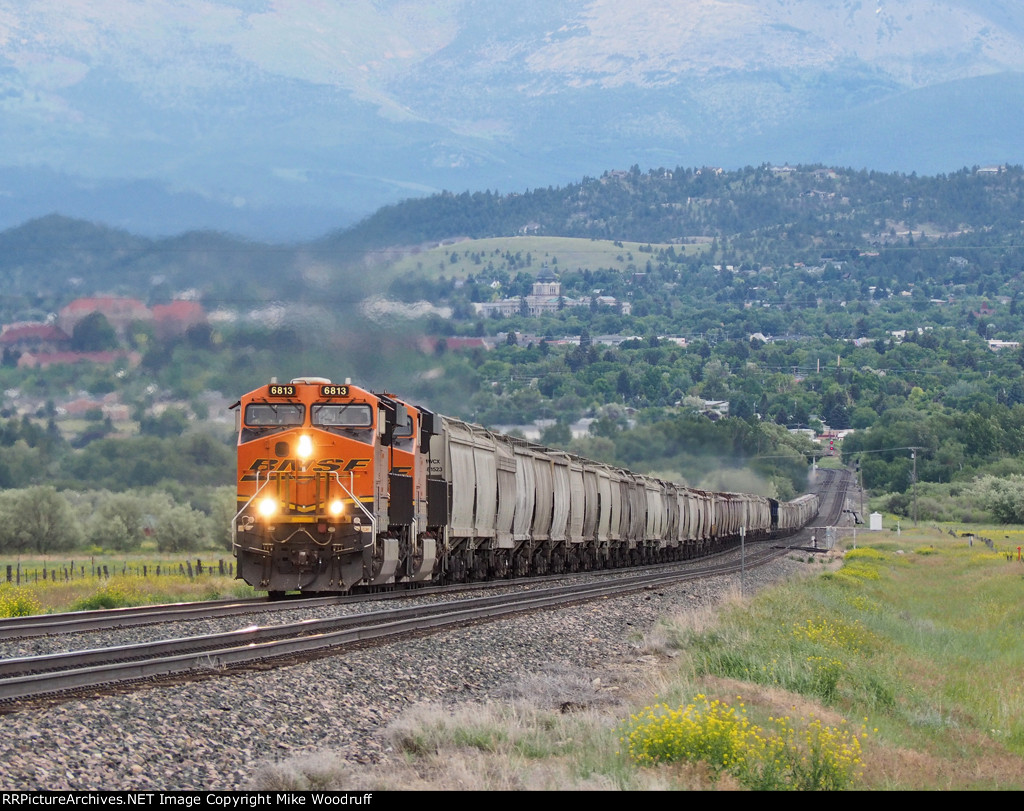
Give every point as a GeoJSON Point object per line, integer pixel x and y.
{"type": "Point", "coordinates": [214, 734]}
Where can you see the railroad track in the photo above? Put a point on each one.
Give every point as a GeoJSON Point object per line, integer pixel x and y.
{"type": "Point", "coordinates": [109, 618]}
{"type": "Point", "coordinates": [215, 654]}
{"type": "Point", "coordinates": [833, 491]}
{"type": "Point", "coordinates": [43, 625]}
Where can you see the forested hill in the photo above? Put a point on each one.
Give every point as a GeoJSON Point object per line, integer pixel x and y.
{"type": "Point", "coordinates": [800, 207]}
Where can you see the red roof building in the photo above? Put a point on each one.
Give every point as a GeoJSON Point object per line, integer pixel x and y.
{"type": "Point", "coordinates": [119, 312]}
{"type": "Point", "coordinates": [33, 337]}
{"type": "Point", "coordinates": [177, 317]}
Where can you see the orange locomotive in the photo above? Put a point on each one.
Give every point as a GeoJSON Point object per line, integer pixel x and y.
{"type": "Point", "coordinates": [331, 488]}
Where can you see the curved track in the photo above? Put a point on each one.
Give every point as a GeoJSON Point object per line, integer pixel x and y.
{"type": "Point", "coordinates": [203, 656]}
{"type": "Point", "coordinates": [831, 488]}
{"type": "Point", "coordinates": [212, 654]}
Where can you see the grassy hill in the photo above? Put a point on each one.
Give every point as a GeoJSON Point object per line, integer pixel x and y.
{"type": "Point", "coordinates": [530, 253]}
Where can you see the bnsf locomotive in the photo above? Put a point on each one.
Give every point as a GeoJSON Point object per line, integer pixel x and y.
{"type": "Point", "coordinates": [339, 487]}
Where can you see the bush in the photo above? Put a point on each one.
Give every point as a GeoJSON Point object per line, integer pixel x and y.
{"type": "Point", "coordinates": [118, 593]}
{"type": "Point", "coordinates": [813, 757]}
{"type": "Point", "coordinates": [181, 529]}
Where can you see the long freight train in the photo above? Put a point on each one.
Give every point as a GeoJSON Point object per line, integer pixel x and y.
{"type": "Point", "coordinates": [339, 487]}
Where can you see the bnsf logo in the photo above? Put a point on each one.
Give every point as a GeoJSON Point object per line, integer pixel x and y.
{"type": "Point", "coordinates": [292, 465]}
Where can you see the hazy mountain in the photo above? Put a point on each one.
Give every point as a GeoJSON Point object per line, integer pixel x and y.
{"type": "Point", "coordinates": [285, 119]}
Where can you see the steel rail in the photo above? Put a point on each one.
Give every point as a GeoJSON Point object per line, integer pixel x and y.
{"type": "Point", "coordinates": [217, 652]}
{"type": "Point", "coordinates": [102, 619]}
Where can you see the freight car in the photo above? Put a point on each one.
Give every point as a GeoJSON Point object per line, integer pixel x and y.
{"type": "Point", "coordinates": [339, 487]}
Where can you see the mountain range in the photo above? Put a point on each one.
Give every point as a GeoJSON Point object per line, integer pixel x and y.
{"type": "Point", "coordinates": [285, 119]}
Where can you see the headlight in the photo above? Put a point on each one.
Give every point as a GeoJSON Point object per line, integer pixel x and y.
{"type": "Point", "coordinates": [305, 447]}
{"type": "Point", "coordinates": [267, 507]}
{"type": "Point", "coordinates": [336, 507]}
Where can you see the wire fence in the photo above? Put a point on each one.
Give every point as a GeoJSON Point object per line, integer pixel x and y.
{"type": "Point", "coordinates": [18, 574]}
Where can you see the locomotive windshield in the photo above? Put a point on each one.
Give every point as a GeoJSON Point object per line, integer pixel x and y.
{"type": "Point", "coordinates": [264, 418]}
{"type": "Point", "coordinates": [286, 415]}
{"type": "Point", "coordinates": [351, 419]}
{"type": "Point", "coordinates": [404, 435]}
{"type": "Point", "coordinates": [352, 415]}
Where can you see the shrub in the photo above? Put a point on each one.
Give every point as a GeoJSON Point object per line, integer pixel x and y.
{"type": "Point", "coordinates": [813, 757]}
{"type": "Point", "coordinates": [117, 593]}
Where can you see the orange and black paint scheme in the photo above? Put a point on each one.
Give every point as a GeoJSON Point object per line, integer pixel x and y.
{"type": "Point", "coordinates": [332, 488]}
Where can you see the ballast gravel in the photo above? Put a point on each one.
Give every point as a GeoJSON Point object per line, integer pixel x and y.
{"type": "Point", "coordinates": [215, 734]}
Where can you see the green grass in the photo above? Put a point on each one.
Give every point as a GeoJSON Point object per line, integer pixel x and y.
{"type": "Point", "coordinates": [562, 254]}
{"type": "Point", "coordinates": [928, 646]}
{"type": "Point", "coordinates": [899, 670]}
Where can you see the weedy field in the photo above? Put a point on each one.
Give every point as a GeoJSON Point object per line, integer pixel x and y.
{"type": "Point", "coordinates": [897, 667]}
{"type": "Point", "coordinates": [49, 584]}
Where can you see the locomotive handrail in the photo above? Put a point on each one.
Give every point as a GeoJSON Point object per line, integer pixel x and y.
{"type": "Point", "coordinates": [358, 503]}
{"type": "Point", "coordinates": [259, 489]}
{"type": "Point", "coordinates": [234, 521]}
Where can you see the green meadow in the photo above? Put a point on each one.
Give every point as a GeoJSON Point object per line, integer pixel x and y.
{"type": "Point", "coordinates": [561, 254]}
